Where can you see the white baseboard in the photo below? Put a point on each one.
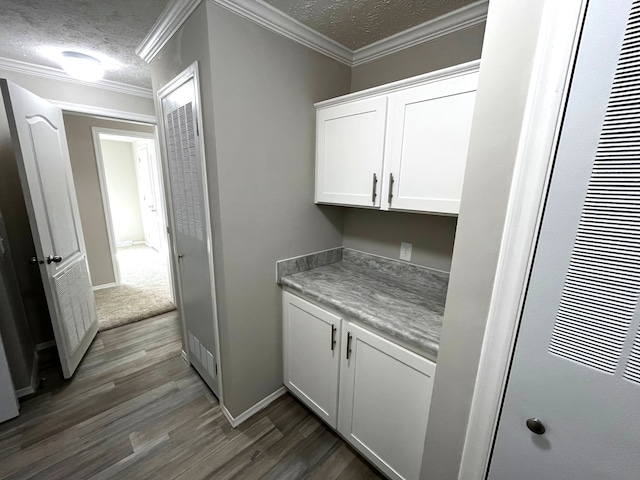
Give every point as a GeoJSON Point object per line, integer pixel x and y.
{"type": "Point", "coordinates": [184, 356]}
{"type": "Point", "coordinates": [104, 285]}
{"type": "Point", "coordinates": [262, 404]}
{"type": "Point", "coordinates": [45, 345]}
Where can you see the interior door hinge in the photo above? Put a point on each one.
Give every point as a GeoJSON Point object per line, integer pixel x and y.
{"type": "Point", "coordinates": [197, 129]}
{"type": "Point", "coordinates": [216, 369]}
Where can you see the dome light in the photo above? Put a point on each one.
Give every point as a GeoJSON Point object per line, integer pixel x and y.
{"type": "Point", "coordinates": [81, 66]}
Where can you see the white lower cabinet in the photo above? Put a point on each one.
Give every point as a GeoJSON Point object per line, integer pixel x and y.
{"type": "Point", "coordinates": [311, 356]}
{"type": "Point", "coordinates": [380, 391]}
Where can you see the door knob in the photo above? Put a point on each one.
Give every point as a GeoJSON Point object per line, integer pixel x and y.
{"type": "Point", "coordinates": [53, 259]}
{"type": "Point", "coordinates": [35, 261]}
{"type": "Point", "coordinates": [535, 426]}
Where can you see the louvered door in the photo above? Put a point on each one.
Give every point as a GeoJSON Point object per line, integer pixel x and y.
{"type": "Point", "coordinates": [576, 367]}
{"type": "Point", "coordinates": [189, 217]}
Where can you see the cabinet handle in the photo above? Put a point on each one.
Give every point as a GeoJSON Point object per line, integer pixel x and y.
{"type": "Point", "coordinates": [349, 337]}
{"type": "Point", "coordinates": [390, 187]}
{"type": "Point", "coordinates": [375, 184]}
{"type": "Point", "coordinates": [333, 337]}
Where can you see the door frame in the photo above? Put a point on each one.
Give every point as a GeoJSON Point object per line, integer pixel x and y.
{"type": "Point", "coordinates": [546, 101]}
{"type": "Point", "coordinates": [191, 72]}
{"type": "Point", "coordinates": [104, 194]}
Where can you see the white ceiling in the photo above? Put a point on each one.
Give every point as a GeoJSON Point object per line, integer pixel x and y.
{"type": "Point", "coordinates": [35, 31]}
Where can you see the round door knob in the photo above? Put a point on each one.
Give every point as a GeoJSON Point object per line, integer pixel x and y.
{"type": "Point", "coordinates": [53, 259]}
{"type": "Point", "coordinates": [535, 426]}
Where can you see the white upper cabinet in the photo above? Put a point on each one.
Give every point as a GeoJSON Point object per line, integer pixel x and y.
{"type": "Point", "coordinates": [349, 152]}
{"type": "Point", "coordinates": [415, 131]}
{"type": "Point", "coordinates": [428, 139]}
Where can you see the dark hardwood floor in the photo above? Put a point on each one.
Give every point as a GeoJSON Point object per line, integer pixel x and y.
{"type": "Point", "coordinates": [135, 409]}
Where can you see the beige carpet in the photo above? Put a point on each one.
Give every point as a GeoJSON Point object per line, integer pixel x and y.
{"type": "Point", "coordinates": [143, 292]}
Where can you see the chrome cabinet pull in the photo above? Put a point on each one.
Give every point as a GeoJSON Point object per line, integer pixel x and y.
{"type": "Point", "coordinates": [375, 184]}
{"type": "Point", "coordinates": [349, 337]}
{"type": "Point", "coordinates": [333, 337]}
{"type": "Point", "coordinates": [390, 187]}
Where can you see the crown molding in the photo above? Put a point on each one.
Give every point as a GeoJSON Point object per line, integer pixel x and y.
{"type": "Point", "coordinates": [170, 20]}
{"type": "Point", "coordinates": [58, 74]}
{"type": "Point", "coordinates": [279, 22]}
{"type": "Point", "coordinates": [455, 21]}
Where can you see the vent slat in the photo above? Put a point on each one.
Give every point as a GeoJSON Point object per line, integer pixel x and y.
{"type": "Point", "coordinates": [602, 284]}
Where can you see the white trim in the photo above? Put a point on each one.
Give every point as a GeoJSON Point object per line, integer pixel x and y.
{"type": "Point", "coordinates": [105, 285]}
{"type": "Point", "coordinates": [548, 90]}
{"type": "Point", "coordinates": [104, 112]}
{"type": "Point", "coordinates": [438, 75]}
{"type": "Point", "coordinates": [279, 22]}
{"type": "Point", "coordinates": [261, 405]}
{"type": "Point", "coordinates": [185, 357]}
{"type": "Point", "coordinates": [60, 75]}
{"type": "Point", "coordinates": [191, 72]}
{"type": "Point", "coordinates": [451, 22]}
{"type": "Point", "coordinates": [170, 20]}
{"type": "Point", "coordinates": [45, 345]}
{"type": "Point", "coordinates": [23, 392]}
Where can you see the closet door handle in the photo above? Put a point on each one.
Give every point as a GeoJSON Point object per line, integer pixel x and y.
{"type": "Point", "coordinates": [349, 337]}
{"type": "Point", "coordinates": [333, 337]}
{"type": "Point", "coordinates": [390, 188]}
{"type": "Point", "coordinates": [375, 184]}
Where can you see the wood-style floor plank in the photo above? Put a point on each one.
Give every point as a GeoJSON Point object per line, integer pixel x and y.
{"type": "Point", "coordinates": [135, 409]}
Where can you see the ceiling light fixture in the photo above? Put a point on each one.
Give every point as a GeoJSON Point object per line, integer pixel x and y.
{"type": "Point", "coordinates": [81, 66]}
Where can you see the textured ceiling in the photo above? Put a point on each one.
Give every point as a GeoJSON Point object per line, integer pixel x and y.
{"type": "Point", "coordinates": [35, 31]}
{"type": "Point", "coordinates": [357, 23]}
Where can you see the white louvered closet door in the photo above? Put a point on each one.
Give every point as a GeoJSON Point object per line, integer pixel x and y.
{"type": "Point", "coordinates": [191, 232]}
{"type": "Point", "coordinates": [576, 366]}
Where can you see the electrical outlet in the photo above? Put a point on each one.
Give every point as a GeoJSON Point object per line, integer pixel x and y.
{"type": "Point", "coordinates": [405, 251]}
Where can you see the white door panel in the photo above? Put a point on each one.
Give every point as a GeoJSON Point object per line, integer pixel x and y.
{"type": "Point", "coordinates": [193, 250]}
{"type": "Point", "coordinates": [312, 355]}
{"type": "Point", "coordinates": [38, 135]}
{"type": "Point", "coordinates": [349, 152]}
{"type": "Point", "coordinates": [575, 366]}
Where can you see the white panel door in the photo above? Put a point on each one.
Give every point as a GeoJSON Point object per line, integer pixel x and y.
{"type": "Point", "coordinates": [191, 231]}
{"type": "Point", "coordinates": [428, 137]}
{"type": "Point", "coordinates": [311, 355]}
{"type": "Point", "coordinates": [571, 404]}
{"type": "Point", "coordinates": [385, 395]}
{"type": "Point", "coordinates": [38, 135]}
{"type": "Point", "coordinates": [350, 151]}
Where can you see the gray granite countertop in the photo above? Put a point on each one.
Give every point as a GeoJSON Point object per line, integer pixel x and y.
{"type": "Point", "coordinates": [401, 300]}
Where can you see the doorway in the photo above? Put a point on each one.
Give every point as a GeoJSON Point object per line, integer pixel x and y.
{"type": "Point", "coordinates": [133, 200]}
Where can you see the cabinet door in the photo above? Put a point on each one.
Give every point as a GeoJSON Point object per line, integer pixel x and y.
{"type": "Point", "coordinates": [385, 393]}
{"type": "Point", "coordinates": [349, 152]}
{"type": "Point", "coordinates": [428, 138]}
{"type": "Point", "coordinates": [311, 356]}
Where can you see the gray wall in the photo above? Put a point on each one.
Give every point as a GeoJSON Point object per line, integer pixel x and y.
{"type": "Point", "coordinates": [507, 56]}
{"type": "Point", "coordinates": [264, 89]}
{"type": "Point", "coordinates": [85, 177]}
{"type": "Point", "coordinates": [258, 90]}
{"type": "Point", "coordinates": [381, 232]}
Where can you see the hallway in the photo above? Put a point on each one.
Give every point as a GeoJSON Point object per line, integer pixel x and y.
{"type": "Point", "coordinates": [135, 409]}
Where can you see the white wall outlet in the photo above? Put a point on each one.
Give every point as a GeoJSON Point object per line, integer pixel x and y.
{"type": "Point", "coordinates": [405, 251]}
